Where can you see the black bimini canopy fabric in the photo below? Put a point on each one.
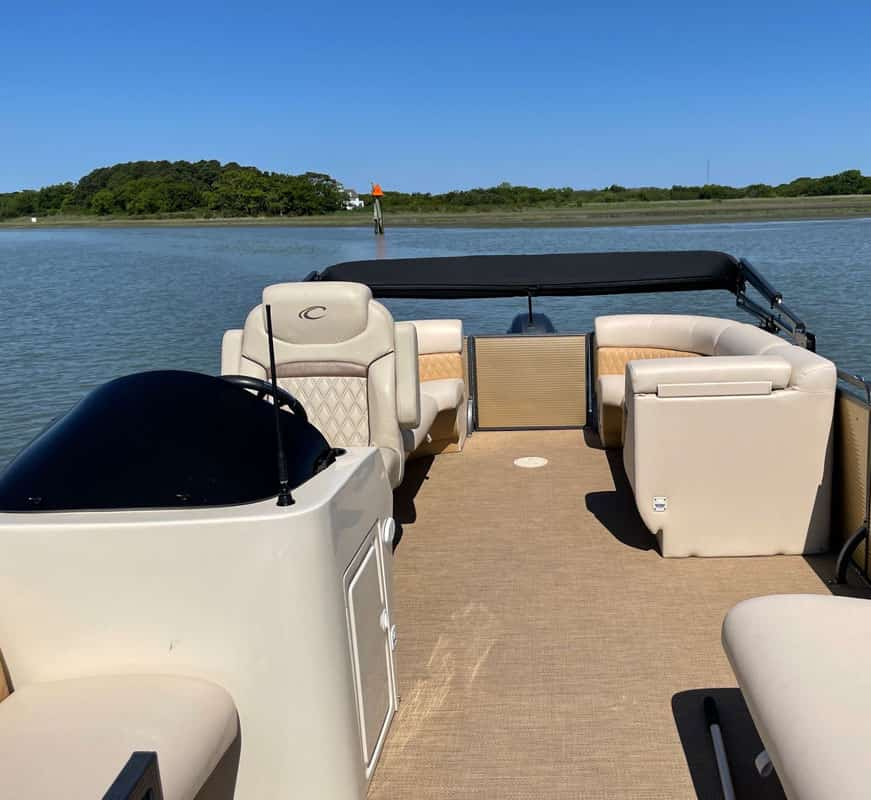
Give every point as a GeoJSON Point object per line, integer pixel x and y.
{"type": "Point", "coordinates": [550, 274]}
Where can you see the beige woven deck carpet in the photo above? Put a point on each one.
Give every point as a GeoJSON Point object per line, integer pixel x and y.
{"type": "Point", "coordinates": [545, 649]}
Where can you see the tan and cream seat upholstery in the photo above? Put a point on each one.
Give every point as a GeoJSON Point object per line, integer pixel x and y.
{"type": "Point", "coordinates": [729, 454]}
{"type": "Point", "coordinates": [443, 400]}
{"type": "Point", "coordinates": [341, 355]}
{"type": "Point", "coordinates": [610, 391]}
{"type": "Point", "coordinates": [802, 664]}
{"type": "Point", "coordinates": [622, 338]}
{"type": "Point", "coordinates": [71, 738]}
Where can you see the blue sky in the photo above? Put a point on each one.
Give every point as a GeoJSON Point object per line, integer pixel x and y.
{"type": "Point", "coordinates": [443, 95]}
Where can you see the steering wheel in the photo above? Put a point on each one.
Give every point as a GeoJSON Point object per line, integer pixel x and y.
{"type": "Point", "coordinates": [264, 388]}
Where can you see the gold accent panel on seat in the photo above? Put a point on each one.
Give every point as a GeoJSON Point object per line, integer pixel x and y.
{"type": "Point", "coordinates": [443, 436]}
{"type": "Point", "coordinates": [437, 366]}
{"type": "Point", "coordinates": [613, 360]}
{"type": "Point", "coordinates": [531, 381]}
{"type": "Point", "coordinates": [852, 418]}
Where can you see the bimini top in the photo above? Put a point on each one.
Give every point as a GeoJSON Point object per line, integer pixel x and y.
{"type": "Point", "coordinates": [161, 440]}
{"type": "Point", "coordinates": [550, 274]}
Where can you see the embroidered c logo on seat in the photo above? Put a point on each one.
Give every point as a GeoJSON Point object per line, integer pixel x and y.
{"type": "Point", "coordinates": [313, 312]}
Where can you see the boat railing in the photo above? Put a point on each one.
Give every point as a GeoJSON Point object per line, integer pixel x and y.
{"type": "Point", "coordinates": [778, 317]}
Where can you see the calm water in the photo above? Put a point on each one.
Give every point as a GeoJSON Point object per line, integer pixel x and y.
{"type": "Point", "coordinates": [82, 306]}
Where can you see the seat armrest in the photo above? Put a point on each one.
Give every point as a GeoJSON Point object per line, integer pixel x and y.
{"type": "Point", "coordinates": [93, 724]}
{"type": "Point", "coordinates": [439, 335]}
{"type": "Point", "coordinates": [231, 352]}
{"type": "Point", "coordinates": [407, 376]}
{"type": "Point", "coordinates": [647, 377]}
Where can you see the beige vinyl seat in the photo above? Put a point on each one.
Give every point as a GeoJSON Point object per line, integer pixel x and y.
{"type": "Point", "coordinates": [341, 355]}
{"type": "Point", "coordinates": [71, 738]}
{"type": "Point", "coordinates": [621, 338]}
{"type": "Point", "coordinates": [726, 433]}
{"type": "Point", "coordinates": [801, 662]}
{"type": "Point", "coordinates": [443, 397]}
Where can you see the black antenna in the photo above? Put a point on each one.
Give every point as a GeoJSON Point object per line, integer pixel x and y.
{"type": "Point", "coordinates": [284, 498]}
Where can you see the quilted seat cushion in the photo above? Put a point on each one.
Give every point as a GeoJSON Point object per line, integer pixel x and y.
{"type": "Point", "coordinates": [613, 360]}
{"type": "Point", "coordinates": [336, 405]}
{"type": "Point", "coordinates": [436, 366]}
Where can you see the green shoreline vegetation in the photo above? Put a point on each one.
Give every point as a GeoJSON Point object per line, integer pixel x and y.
{"type": "Point", "coordinates": [207, 192]}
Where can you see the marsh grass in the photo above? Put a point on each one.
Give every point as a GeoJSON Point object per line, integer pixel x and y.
{"type": "Point", "coordinates": [665, 212]}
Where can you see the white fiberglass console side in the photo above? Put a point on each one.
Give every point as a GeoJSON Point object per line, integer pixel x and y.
{"type": "Point", "coordinates": [288, 608]}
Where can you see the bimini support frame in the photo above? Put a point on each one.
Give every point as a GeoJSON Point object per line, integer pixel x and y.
{"type": "Point", "coordinates": [777, 317]}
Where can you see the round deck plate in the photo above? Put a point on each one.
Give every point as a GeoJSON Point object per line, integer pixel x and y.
{"type": "Point", "coordinates": [530, 462]}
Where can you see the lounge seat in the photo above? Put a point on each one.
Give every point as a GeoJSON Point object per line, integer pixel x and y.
{"type": "Point", "coordinates": [443, 401]}
{"type": "Point", "coordinates": [802, 664]}
{"type": "Point", "coordinates": [701, 426]}
{"type": "Point", "coordinates": [71, 738]}
{"type": "Point", "coordinates": [621, 338]}
{"type": "Point", "coordinates": [436, 396]}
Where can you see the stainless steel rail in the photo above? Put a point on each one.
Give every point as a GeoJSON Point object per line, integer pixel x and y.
{"type": "Point", "coordinates": [778, 317]}
{"type": "Point", "coordinates": [856, 381]}
{"type": "Point", "coordinates": [758, 282]}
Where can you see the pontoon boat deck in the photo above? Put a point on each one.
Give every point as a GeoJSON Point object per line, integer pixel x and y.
{"type": "Point", "coordinates": [547, 649]}
{"type": "Point", "coordinates": [401, 560]}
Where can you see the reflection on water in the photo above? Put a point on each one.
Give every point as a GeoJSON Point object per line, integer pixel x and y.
{"type": "Point", "coordinates": [82, 306]}
{"type": "Point", "coordinates": [381, 247]}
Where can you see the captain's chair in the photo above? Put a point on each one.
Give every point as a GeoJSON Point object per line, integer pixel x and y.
{"type": "Point", "coordinates": [340, 354]}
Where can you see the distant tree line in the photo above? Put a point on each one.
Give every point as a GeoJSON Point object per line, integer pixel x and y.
{"type": "Point", "coordinates": [204, 188]}
{"type": "Point", "coordinates": [212, 189]}
{"type": "Point", "coordinates": [506, 196]}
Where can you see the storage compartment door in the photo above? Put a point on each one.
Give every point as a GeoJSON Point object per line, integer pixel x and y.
{"type": "Point", "coordinates": [370, 649]}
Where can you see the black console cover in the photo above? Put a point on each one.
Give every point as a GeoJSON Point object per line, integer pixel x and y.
{"type": "Point", "coordinates": [165, 439]}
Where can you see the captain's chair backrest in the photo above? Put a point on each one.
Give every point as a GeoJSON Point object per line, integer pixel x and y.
{"type": "Point", "coordinates": [340, 354]}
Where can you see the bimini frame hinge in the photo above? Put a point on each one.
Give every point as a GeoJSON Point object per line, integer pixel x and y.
{"type": "Point", "coordinates": [777, 318]}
